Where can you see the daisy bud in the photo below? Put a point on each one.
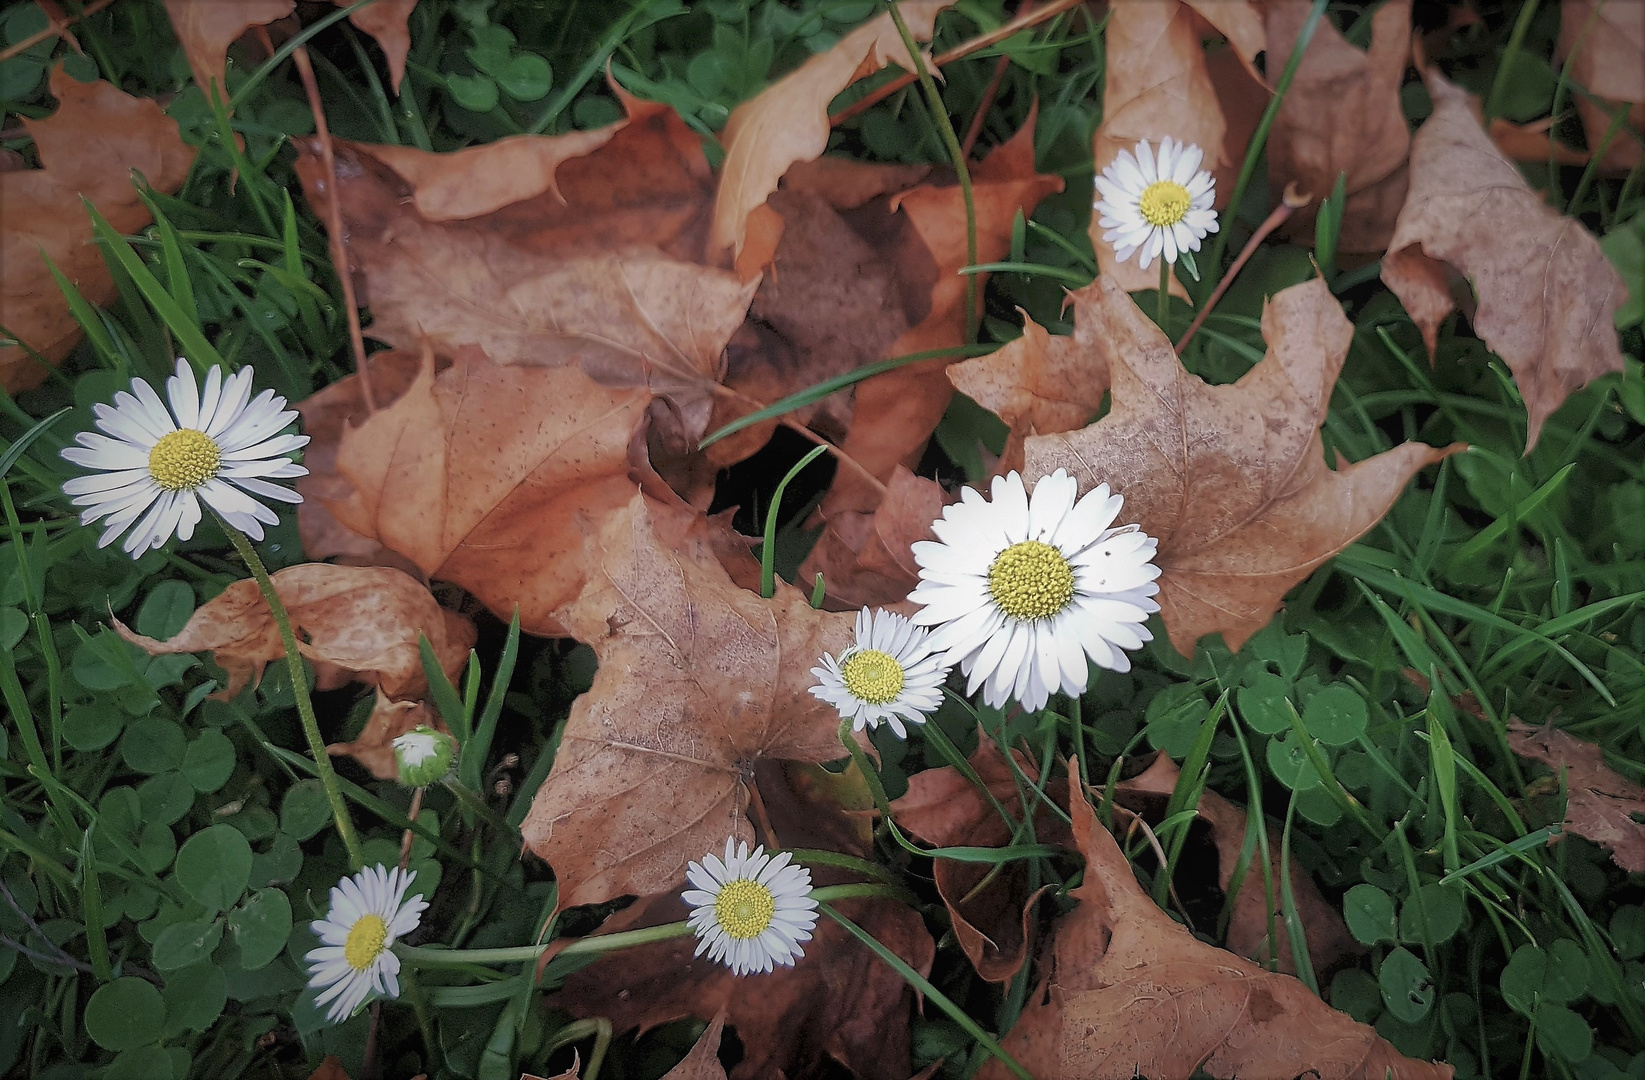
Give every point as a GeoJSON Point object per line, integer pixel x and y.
{"type": "Point", "coordinates": [424, 755]}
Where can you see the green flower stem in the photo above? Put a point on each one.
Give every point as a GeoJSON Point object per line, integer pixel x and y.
{"type": "Point", "coordinates": [932, 994]}
{"type": "Point", "coordinates": [299, 690]}
{"type": "Point", "coordinates": [1164, 317]}
{"type": "Point", "coordinates": [428, 957]}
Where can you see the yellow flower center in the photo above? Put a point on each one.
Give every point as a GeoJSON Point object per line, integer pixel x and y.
{"type": "Point", "coordinates": [1163, 203]}
{"type": "Point", "coordinates": [744, 908]}
{"type": "Point", "coordinates": [365, 942]}
{"type": "Point", "coordinates": [872, 676]}
{"type": "Point", "coordinates": [184, 459]}
{"type": "Point", "coordinates": [1031, 581]}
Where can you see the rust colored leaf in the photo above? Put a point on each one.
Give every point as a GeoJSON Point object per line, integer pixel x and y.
{"type": "Point", "coordinates": [594, 263]}
{"type": "Point", "coordinates": [1532, 144]}
{"type": "Point", "coordinates": [89, 148]}
{"type": "Point", "coordinates": [864, 557]}
{"type": "Point", "coordinates": [353, 622]}
{"type": "Point", "coordinates": [788, 122]}
{"type": "Point", "coordinates": [1604, 42]}
{"type": "Point", "coordinates": [1132, 993]}
{"type": "Point", "coordinates": [388, 721]}
{"type": "Point", "coordinates": [699, 680]}
{"type": "Point", "coordinates": [1546, 292]}
{"type": "Point", "coordinates": [1329, 941]}
{"type": "Point", "coordinates": [206, 28]}
{"type": "Point", "coordinates": [1231, 479]}
{"type": "Point", "coordinates": [1601, 803]}
{"type": "Point", "coordinates": [943, 808]}
{"type": "Point", "coordinates": [1156, 84]}
{"type": "Point", "coordinates": [494, 478]}
{"type": "Point", "coordinates": [1343, 115]}
{"type": "Point", "coordinates": [386, 21]}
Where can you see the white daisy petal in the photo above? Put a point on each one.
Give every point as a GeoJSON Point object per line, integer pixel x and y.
{"type": "Point", "coordinates": [369, 911]}
{"type": "Point", "coordinates": [873, 679]}
{"type": "Point", "coordinates": [756, 914]}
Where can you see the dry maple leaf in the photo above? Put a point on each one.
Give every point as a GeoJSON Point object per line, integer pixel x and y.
{"type": "Point", "coordinates": [788, 121]}
{"type": "Point", "coordinates": [494, 478]}
{"type": "Point", "coordinates": [865, 559]}
{"type": "Point", "coordinates": [1531, 143]}
{"type": "Point", "coordinates": [388, 721]}
{"type": "Point", "coordinates": [90, 146]}
{"type": "Point", "coordinates": [698, 681]}
{"type": "Point", "coordinates": [206, 28]}
{"type": "Point", "coordinates": [1329, 941]}
{"type": "Point", "coordinates": [702, 1061]}
{"type": "Point", "coordinates": [992, 913]}
{"type": "Point", "coordinates": [1601, 803]}
{"type": "Point", "coordinates": [1343, 115]}
{"type": "Point", "coordinates": [1547, 293]}
{"type": "Point", "coordinates": [1231, 479]}
{"type": "Point", "coordinates": [1604, 43]}
{"type": "Point", "coordinates": [388, 22]}
{"type": "Point", "coordinates": [353, 622]}
{"type": "Point", "coordinates": [1132, 993]}
{"type": "Point", "coordinates": [593, 262]}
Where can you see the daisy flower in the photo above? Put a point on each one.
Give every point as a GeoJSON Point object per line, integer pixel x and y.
{"type": "Point", "coordinates": [888, 676]}
{"type": "Point", "coordinates": [156, 464]}
{"type": "Point", "coordinates": [423, 755]}
{"type": "Point", "coordinates": [369, 912]}
{"type": "Point", "coordinates": [1155, 204]}
{"type": "Point", "coordinates": [751, 910]}
{"type": "Point", "coordinates": [1022, 592]}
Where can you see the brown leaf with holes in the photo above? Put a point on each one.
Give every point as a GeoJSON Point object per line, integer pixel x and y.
{"type": "Point", "coordinates": [492, 477]}
{"type": "Point", "coordinates": [1604, 42]}
{"type": "Point", "coordinates": [1231, 479]}
{"type": "Point", "coordinates": [992, 914]}
{"type": "Point", "coordinates": [1547, 293]}
{"type": "Point", "coordinates": [353, 622]}
{"type": "Point", "coordinates": [699, 680]}
{"type": "Point", "coordinates": [1131, 992]}
{"type": "Point", "coordinates": [788, 121]}
{"type": "Point", "coordinates": [1600, 803]}
{"type": "Point", "coordinates": [865, 558]}
{"type": "Point", "coordinates": [90, 146]}
{"type": "Point", "coordinates": [1342, 115]}
{"type": "Point", "coordinates": [546, 251]}
{"type": "Point", "coordinates": [1329, 942]}
{"type": "Point", "coordinates": [206, 28]}
{"type": "Point", "coordinates": [374, 748]}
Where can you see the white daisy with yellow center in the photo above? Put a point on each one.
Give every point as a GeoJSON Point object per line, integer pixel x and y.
{"type": "Point", "coordinates": [1023, 593]}
{"type": "Point", "coordinates": [887, 676]}
{"type": "Point", "coordinates": [750, 911]}
{"type": "Point", "coordinates": [369, 912]}
{"type": "Point", "coordinates": [155, 464]}
{"type": "Point", "coordinates": [1156, 205]}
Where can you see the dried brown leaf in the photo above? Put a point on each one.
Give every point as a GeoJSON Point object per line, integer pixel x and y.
{"type": "Point", "coordinates": [1547, 293]}
{"type": "Point", "coordinates": [353, 622]}
{"type": "Point", "coordinates": [1532, 144]}
{"type": "Point", "coordinates": [494, 478]}
{"type": "Point", "coordinates": [1343, 115]}
{"type": "Point", "coordinates": [1131, 992]}
{"type": "Point", "coordinates": [698, 681]}
{"type": "Point", "coordinates": [388, 721]}
{"type": "Point", "coordinates": [865, 558]}
{"type": "Point", "coordinates": [1601, 803]}
{"type": "Point", "coordinates": [702, 1062]}
{"type": "Point", "coordinates": [90, 146]}
{"type": "Point", "coordinates": [1231, 479]}
{"type": "Point", "coordinates": [788, 122]}
{"type": "Point", "coordinates": [206, 28]}
{"type": "Point", "coordinates": [386, 20]}
{"type": "Point", "coordinates": [1604, 42]}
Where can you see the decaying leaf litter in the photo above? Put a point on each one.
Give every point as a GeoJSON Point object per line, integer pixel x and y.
{"type": "Point", "coordinates": [539, 520]}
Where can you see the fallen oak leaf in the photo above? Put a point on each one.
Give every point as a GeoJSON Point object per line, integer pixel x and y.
{"type": "Point", "coordinates": [90, 146]}
{"type": "Point", "coordinates": [353, 622]}
{"type": "Point", "coordinates": [1546, 292]}
{"type": "Point", "coordinates": [374, 747]}
{"type": "Point", "coordinates": [1130, 992]}
{"type": "Point", "coordinates": [698, 681]}
{"type": "Point", "coordinates": [1601, 803]}
{"type": "Point", "coordinates": [1231, 479]}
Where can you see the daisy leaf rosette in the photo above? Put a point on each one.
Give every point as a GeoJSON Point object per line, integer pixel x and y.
{"type": "Point", "coordinates": [1025, 593]}
{"type": "Point", "coordinates": [1156, 205]}
{"type": "Point", "coordinates": [369, 913]}
{"type": "Point", "coordinates": [750, 911]}
{"type": "Point", "coordinates": [153, 465]}
{"type": "Point", "coordinates": [888, 675]}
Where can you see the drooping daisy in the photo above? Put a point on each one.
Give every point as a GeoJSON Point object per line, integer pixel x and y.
{"type": "Point", "coordinates": [889, 675]}
{"type": "Point", "coordinates": [423, 755]}
{"type": "Point", "coordinates": [155, 464]}
{"type": "Point", "coordinates": [1156, 205]}
{"type": "Point", "coordinates": [369, 912]}
{"type": "Point", "coordinates": [751, 910]}
{"type": "Point", "coordinates": [1021, 592]}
